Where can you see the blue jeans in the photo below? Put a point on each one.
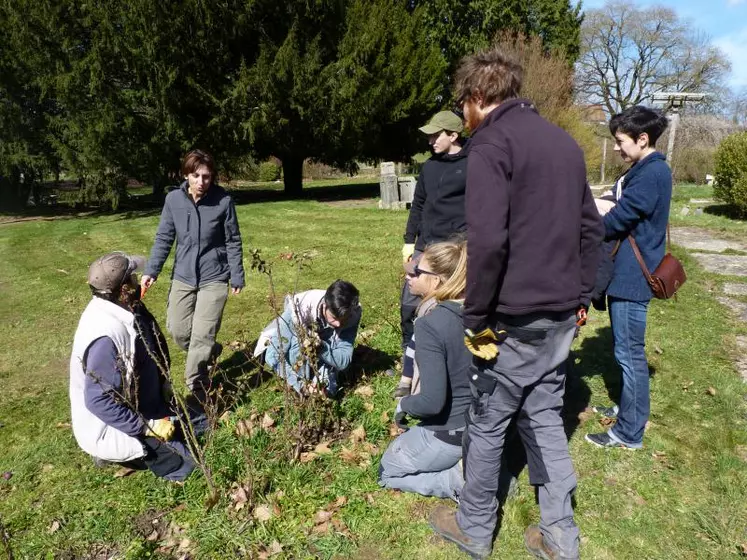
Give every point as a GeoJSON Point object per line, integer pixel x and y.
{"type": "Point", "coordinates": [417, 461]}
{"type": "Point", "coordinates": [628, 320]}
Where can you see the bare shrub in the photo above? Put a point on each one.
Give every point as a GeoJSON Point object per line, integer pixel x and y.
{"type": "Point", "coordinates": [548, 82]}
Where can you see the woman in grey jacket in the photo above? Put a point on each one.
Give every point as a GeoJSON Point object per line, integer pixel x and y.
{"type": "Point", "coordinates": [425, 458]}
{"type": "Point", "coordinates": [200, 216]}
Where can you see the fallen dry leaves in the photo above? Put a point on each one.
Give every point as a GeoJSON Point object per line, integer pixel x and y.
{"type": "Point", "coordinates": [365, 391]}
{"type": "Point", "coordinates": [263, 513]}
{"type": "Point", "coordinates": [267, 421]}
{"type": "Point", "coordinates": [274, 549]}
{"type": "Point", "coordinates": [358, 435]}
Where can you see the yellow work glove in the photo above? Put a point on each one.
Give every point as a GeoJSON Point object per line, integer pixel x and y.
{"type": "Point", "coordinates": [407, 250]}
{"type": "Point", "coordinates": [485, 343]}
{"type": "Point", "coordinates": [162, 428]}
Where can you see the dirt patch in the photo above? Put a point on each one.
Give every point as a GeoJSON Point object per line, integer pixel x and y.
{"type": "Point", "coordinates": [353, 203]}
{"type": "Point", "coordinates": [150, 523]}
{"type": "Point", "coordinates": [96, 552]}
{"type": "Point", "coordinates": [7, 220]}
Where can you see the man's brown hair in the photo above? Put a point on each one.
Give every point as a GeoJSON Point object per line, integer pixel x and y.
{"type": "Point", "coordinates": [195, 159]}
{"type": "Point", "coordinates": [493, 75]}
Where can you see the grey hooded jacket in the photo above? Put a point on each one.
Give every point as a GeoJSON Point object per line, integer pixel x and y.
{"type": "Point", "coordinates": [208, 240]}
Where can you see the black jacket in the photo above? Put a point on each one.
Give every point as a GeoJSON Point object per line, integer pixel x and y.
{"type": "Point", "coordinates": [533, 229]}
{"type": "Point", "coordinates": [444, 362]}
{"type": "Point", "coordinates": [437, 210]}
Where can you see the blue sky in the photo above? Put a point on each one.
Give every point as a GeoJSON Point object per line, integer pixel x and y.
{"type": "Point", "coordinates": [724, 20]}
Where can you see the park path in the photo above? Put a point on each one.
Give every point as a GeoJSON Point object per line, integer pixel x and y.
{"type": "Point", "coordinates": [709, 251]}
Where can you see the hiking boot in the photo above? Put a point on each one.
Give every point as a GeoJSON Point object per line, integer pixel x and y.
{"type": "Point", "coordinates": [535, 543]}
{"type": "Point", "coordinates": [607, 411]}
{"type": "Point", "coordinates": [605, 440]}
{"type": "Point", "coordinates": [443, 522]}
{"type": "Point", "coordinates": [402, 390]}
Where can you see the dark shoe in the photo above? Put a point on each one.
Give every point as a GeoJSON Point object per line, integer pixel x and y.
{"type": "Point", "coordinates": [390, 372]}
{"type": "Point", "coordinates": [443, 522]}
{"type": "Point", "coordinates": [606, 411]}
{"type": "Point", "coordinates": [535, 543]}
{"type": "Point", "coordinates": [604, 440]}
{"type": "Point", "coordinates": [402, 390]}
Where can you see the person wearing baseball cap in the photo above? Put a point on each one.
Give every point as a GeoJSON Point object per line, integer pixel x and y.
{"type": "Point", "coordinates": [437, 211]}
{"type": "Point", "coordinates": [118, 374]}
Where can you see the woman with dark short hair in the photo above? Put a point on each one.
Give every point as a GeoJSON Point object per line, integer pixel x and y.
{"type": "Point", "coordinates": [200, 216]}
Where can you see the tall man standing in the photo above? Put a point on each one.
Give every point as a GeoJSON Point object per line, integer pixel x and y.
{"type": "Point", "coordinates": [437, 210]}
{"type": "Point", "coordinates": [533, 234]}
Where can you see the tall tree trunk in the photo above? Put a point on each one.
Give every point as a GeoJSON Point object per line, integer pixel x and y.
{"type": "Point", "coordinates": [293, 174]}
{"type": "Point", "coordinates": [159, 182]}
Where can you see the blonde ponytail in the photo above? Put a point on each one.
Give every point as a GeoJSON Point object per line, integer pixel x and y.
{"type": "Point", "coordinates": [448, 259]}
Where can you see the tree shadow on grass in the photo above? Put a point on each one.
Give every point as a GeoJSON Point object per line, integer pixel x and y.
{"type": "Point", "coordinates": [366, 361]}
{"type": "Point", "coordinates": [239, 374]}
{"type": "Point", "coordinates": [353, 191]}
{"type": "Point", "coordinates": [595, 357]}
{"type": "Point", "coordinates": [724, 210]}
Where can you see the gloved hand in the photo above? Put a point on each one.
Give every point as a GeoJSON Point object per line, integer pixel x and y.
{"type": "Point", "coordinates": [400, 416]}
{"type": "Point", "coordinates": [407, 251]}
{"type": "Point", "coordinates": [485, 343]}
{"type": "Point", "coordinates": [161, 428]}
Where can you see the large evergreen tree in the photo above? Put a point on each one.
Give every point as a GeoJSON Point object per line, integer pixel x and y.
{"type": "Point", "coordinates": [135, 83]}
{"type": "Point", "coordinates": [336, 81]}
{"type": "Point", "coordinates": [462, 27]}
{"type": "Point", "coordinates": [123, 88]}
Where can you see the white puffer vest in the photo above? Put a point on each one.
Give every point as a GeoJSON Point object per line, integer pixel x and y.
{"type": "Point", "coordinates": [102, 318]}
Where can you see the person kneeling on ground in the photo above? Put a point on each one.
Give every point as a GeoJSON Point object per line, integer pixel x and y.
{"type": "Point", "coordinates": [117, 384]}
{"type": "Point", "coordinates": [317, 327]}
{"type": "Point", "coordinates": [425, 458]}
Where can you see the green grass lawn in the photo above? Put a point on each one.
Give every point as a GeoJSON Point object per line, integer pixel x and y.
{"type": "Point", "coordinates": [683, 496]}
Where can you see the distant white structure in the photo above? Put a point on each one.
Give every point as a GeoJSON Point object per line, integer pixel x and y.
{"type": "Point", "coordinates": [674, 101]}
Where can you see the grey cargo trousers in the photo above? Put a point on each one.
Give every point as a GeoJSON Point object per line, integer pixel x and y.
{"type": "Point", "coordinates": [527, 378]}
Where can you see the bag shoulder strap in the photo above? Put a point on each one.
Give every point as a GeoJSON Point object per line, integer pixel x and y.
{"type": "Point", "coordinates": [639, 258]}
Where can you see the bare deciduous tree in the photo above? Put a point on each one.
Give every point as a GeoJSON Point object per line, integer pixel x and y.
{"type": "Point", "coordinates": [628, 54]}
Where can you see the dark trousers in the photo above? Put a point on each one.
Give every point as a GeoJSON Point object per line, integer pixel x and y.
{"type": "Point", "coordinates": [526, 381]}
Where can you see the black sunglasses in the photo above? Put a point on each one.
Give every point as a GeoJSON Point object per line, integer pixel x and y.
{"type": "Point", "coordinates": [418, 271]}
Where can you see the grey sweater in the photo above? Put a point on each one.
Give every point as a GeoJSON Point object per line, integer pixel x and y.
{"type": "Point", "coordinates": [208, 240]}
{"type": "Point", "coordinates": [443, 362]}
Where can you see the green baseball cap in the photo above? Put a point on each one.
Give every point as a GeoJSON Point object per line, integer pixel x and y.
{"type": "Point", "coordinates": [445, 120]}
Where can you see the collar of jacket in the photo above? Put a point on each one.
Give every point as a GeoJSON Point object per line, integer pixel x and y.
{"type": "Point", "coordinates": [639, 165]}
{"type": "Point", "coordinates": [451, 157]}
{"type": "Point", "coordinates": [184, 187]}
{"type": "Point", "coordinates": [504, 108]}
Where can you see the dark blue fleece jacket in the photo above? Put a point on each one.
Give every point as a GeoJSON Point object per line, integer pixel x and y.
{"type": "Point", "coordinates": [643, 210]}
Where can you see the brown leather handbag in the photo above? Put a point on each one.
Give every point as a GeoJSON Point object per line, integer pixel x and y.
{"type": "Point", "coordinates": [668, 276]}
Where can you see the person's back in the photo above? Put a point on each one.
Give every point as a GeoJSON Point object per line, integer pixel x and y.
{"type": "Point", "coordinates": [546, 187]}
{"type": "Point", "coordinates": [443, 400]}
{"type": "Point", "coordinates": [650, 182]}
{"type": "Point", "coordinates": [533, 233]}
